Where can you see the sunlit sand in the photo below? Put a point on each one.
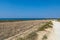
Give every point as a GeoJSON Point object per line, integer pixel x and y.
{"type": "Point", "coordinates": [56, 27]}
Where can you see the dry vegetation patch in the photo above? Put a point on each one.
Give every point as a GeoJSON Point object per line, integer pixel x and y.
{"type": "Point", "coordinates": [45, 26]}
{"type": "Point", "coordinates": [9, 29]}
{"type": "Point", "coordinates": [34, 35]}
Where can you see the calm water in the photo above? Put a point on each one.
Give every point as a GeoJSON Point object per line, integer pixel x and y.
{"type": "Point", "coordinates": [26, 18]}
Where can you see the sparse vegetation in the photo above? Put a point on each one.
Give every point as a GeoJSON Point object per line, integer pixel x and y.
{"type": "Point", "coordinates": [9, 29]}
{"type": "Point", "coordinates": [31, 36]}
{"type": "Point", "coordinates": [20, 39]}
{"type": "Point", "coordinates": [58, 19]}
{"type": "Point", "coordinates": [47, 25]}
{"type": "Point", "coordinates": [44, 37]}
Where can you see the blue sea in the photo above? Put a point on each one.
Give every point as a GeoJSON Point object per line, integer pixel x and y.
{"type": "Point", "coordinates": [26, 18]}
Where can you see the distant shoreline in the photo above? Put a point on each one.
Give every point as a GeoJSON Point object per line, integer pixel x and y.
{"type": "Point", "coordinates": [23, 19]}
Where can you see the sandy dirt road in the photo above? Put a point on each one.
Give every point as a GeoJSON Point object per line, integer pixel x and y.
{"type": "Point", "coordinates": [56, 29]}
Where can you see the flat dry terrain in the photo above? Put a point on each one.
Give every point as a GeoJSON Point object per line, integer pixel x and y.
{"type": "Point", "coordinates": [9, 29]}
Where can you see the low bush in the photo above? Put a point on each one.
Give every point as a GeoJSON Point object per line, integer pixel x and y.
{"type": "Point", "coordinates": [30, 36]}
{"type": "Point", "coordinates": [44, 37]}
{"type": "Point", "coordinates": [47, 25]}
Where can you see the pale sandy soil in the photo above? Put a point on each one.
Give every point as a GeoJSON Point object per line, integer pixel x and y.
{"type": "Point", "coordinates": [56, 26]}
{"type": "Point", "coordinates": [55, 34]}
{"type": "Point", "coordinates": [9, 29]}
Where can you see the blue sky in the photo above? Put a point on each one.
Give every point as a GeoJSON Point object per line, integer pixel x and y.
{"type": "Point", "coordinates": [29, 8]}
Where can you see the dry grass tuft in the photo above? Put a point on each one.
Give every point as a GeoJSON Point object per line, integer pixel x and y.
{"type": "Point", "coordinates": [47, 25]}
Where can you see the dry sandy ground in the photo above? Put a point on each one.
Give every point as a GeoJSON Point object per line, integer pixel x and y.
{"type": "Point", "coordinates": [56, 26]}
{"type": "Point", "coordinates": [40, 33]}
{"type": "Point", "coordinates": [9, 29]}
{"type": "Point", "coordinates": [55, 34]}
